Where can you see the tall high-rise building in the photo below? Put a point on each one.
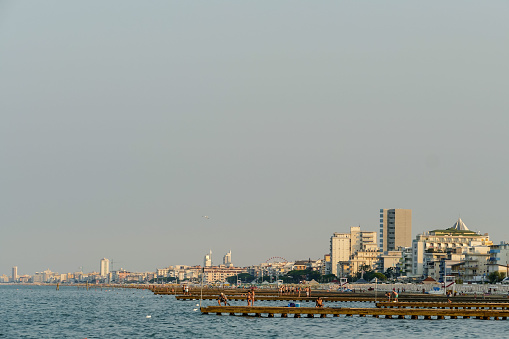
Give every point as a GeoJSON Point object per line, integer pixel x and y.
{"type": "Point", "coordinates": [227, 259]}
{"type": "Point", "coordinates": [395, 229]}
{"type": "Point", "coordinates": [105, 267]}
{"type": "Point", "coordinates": [207, 261]}
{"type": "Point", "coordinates": [344, 245]}
{"type": "Point", "coordinates": [15, 274]}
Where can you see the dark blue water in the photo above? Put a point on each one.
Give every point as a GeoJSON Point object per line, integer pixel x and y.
{"type": "Point", "coordinates": [42, 312]}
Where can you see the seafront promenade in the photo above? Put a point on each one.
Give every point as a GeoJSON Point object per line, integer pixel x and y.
{"type": "Point", "coordinates": [476, 291]}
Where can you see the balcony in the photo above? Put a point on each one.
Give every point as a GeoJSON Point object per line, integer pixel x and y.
{"type": "Point", "coordinates": [494, 251]}
{"type": "Point", "coordinates": [494, 259]}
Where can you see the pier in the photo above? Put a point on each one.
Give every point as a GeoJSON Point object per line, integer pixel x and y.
{"type": "Point", "coordinates": [376, 312]}
{"type": "Point", "coordinates": [439, 305]}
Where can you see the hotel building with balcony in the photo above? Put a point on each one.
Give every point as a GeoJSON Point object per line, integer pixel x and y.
{"type": "Point", "coordinates": [434, 246]}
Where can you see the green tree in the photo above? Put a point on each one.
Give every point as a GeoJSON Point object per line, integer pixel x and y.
{"type": "Point", "coordinates": [327, 278]}
{"type": "Point", "coordinates": [380, 276]}
{"type": "Point", "coordinates": [390, 273]}
{"type": "Point", "coordinates": [296, 276]}
{"type": "Point", "coordinates": [364, 271]}
{"type": "Point", "coordinates": [243, 277]}
{"type": "Point", "coordinates": [496, 276]}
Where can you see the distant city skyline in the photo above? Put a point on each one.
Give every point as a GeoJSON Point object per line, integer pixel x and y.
{"type": "Point", "coordinates": [208, 259]}
{"type": "Point", "coordinates": [352, 242]}
{"type": "Point", "coordinates": [123, 126]}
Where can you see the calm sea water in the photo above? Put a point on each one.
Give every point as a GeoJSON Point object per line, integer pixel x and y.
{"type": "Point", "coordinates": [42, 312]}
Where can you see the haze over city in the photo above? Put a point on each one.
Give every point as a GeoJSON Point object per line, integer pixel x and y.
{"type": "Point", "coordinates": [124, 123]}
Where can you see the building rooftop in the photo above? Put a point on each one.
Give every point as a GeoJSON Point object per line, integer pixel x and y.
{"type": "Point", "coordinates": [460, 225]}
{"type": "Point", "coordinates": [455, 232]}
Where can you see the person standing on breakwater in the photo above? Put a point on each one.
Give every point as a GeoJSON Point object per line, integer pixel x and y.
{"type": "Point", "coordinates": [249, 298]}
{"type": "Point", "coordinates": [395, 296]}
{"type": "Point", "coordinates": [319, 302]}
{"type": "Point", "coordinates": [252, 296]}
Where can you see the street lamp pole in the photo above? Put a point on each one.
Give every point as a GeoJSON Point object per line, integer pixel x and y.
{"type": "Point", "coordinates": [376, 285]}
{"type": "Point", "coordinates": [201, 290]}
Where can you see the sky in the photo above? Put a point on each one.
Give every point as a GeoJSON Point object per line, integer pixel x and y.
{"type": "Point", "coordinates": [123, 123]}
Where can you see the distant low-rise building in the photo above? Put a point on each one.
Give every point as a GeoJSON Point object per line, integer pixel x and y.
{"type": "Point", "coordinates": [327, 265]}
{"type": "Point", "coordinates": [389, 260]}
{"type": "Point", "coordinates": [405, 264]}
{"type": "Point", "coordinates": [499, 254]}
{"type": "Point", "coordinates": [221, 273]}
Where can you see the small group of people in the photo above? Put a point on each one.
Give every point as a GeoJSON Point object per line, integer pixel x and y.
{"type": "Point", "coordinates": [285, 290]}
{"type": "Point", "coordinates": [288, 290]}
{"type": "Point", "coordinates": [450, 294]}
{"type": "Point", "coordinates": [394, 294]}
{"type": "Point", "coordinates": [185, 290]}
{"type": "Point", "coordinates": [250, 298]}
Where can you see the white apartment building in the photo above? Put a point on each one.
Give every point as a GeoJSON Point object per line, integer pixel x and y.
{"type": "Point", "coordinates": [476, 263]}
{"type": "Point", "coordinates": [104, 267]}
{"type": "Point", "coordinates": [389, 259]}
{"type": "Point", "coordinates": [220, 273]}
{"type": "Point", "coordinates": [499, 259]}
{"type": "Point", "coordinates": [227, 259]}
{"type": "Point", "coordinates": [360, 259]}
{"type": "Point", "coordinates": [434, 245]}
{"type": "Point", "coordinates": [162, 272]}
{"type": "Point", "coordinates": [405, 264]}
{"type": "Point", "coordinates": [180, 272]}
{"type": "Point", "coordinates": [500, 254]}
{"type": "Point", "coordinates": [344, 246]}
{"type": "Point", "coordinates": [207, 260]}
{"type": "Point", "coordinates": [15, 274]}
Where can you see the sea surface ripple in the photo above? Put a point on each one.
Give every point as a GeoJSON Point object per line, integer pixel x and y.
{"type": "Point", "coordinates": [43, 312]}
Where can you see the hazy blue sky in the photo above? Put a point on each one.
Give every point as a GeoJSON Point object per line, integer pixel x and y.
{"type": "Point", "coordinates": [123, 122]}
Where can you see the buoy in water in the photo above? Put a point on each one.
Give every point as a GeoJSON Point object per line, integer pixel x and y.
{"type": "Point", "coordinates": [149, 316]}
